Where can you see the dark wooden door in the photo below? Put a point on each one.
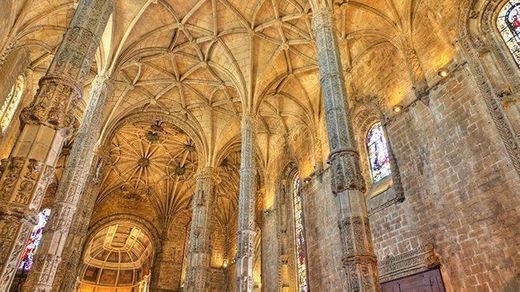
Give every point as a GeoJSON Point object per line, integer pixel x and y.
{"type": "Point", "coordinates": [429, 281]}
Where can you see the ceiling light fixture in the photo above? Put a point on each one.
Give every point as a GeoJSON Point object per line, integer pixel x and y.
{"type": "Point", "coordinates": [443, 72]}
{"type": "Point", "coordinates": [397, 108]}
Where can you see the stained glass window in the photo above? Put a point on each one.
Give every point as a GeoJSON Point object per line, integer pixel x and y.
{"type": "Point", "coordinates": [34, 240]}
{"type": "Point", "coordinates": [11, 103]}
{"type": "Point", "coordinates": [378, 156]}
{"type": "Point", "coordinates": [508, 23]}
{"type": "Point", "coordinates": [301, 254]}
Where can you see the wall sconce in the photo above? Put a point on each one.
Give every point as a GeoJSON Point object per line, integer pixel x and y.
{"type": "Point", "coordinates": [443, 72]}
{"type": "Point", "coordinates": [397, 108]}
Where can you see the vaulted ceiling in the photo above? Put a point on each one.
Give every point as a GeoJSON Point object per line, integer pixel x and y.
{"type": "Point", "coordinates": [217, 58]}
{"type": "Point", "coordinates": [205, 62]}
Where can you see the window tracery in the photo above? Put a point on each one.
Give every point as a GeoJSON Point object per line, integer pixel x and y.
{"type": "Point", "coordinates": [34, 240]}
{"type": "Point", "coordinates": [378, 154]}
{"type": "Point", "coordinates": [301, 252]}
{"type": "Point", "coordinates": [11, 103]}
{"type": "Point", "coordinates": [508, 24]}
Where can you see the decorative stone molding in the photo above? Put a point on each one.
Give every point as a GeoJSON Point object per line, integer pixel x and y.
{"type": "Point", "coordinates": [408, 263]}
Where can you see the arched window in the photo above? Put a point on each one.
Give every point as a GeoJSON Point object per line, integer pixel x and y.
{"type": "Point", "coordinates": [301, 252]}
{"type": "Point", "coordinates": [11, 103]}
{"type": "Point", "coordinates": [34, 240]}
{"type": "Point", "coordinates": [508, 23]}
{"type": "Point", "coordinates": [378, 156]}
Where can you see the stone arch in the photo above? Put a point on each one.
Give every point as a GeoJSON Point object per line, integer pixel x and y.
{"type": "Point", "coordinates": [145, 224]}
{"type": "Point", "coordinates": [488, 29]}
{"type": "Point", "coordinates": [143, 229]}
{"type": "Point", "coordinates": [363, 118]}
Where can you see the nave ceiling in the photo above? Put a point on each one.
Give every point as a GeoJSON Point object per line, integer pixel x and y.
{"type": "Point", "coordinates": [205, 62]}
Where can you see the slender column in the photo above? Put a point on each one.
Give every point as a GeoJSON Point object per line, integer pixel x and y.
{"type": "Point", "coordinates": [24, 178]}
{"type": "Point", "coordinates": [246, 207]}
{"type": "Point", "coordinates": [318, 155]}
{"type": "Point", "coordinates": [347, 182]}
{"type": "Point", "coordinates": [199, 249]}
{"type": "Point", "coordinates": [69, 190]}
{"type": "Point", "coordinates": [416, 72]}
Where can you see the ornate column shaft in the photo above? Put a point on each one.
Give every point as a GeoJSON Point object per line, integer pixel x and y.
{"type": "Point", "coordinates": [347, 182]}
{"type": "Point", "coordinates": [69, 190]}
{"type": "Point", "coordinates": [65, 278]}
{"type": "Point", "coordinates": [24, 178]}
{"type": "Point", "coordinates": [199, 249]}
{"type": "Point", "coordinates": [246, 206]}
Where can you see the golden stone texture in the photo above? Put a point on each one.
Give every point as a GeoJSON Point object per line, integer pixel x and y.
{"type": "Point", "coordinates": [185, 73]}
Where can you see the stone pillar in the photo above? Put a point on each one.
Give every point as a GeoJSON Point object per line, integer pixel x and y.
{"type": "Point", "coordinates": [199, 249]}
{"type": "Point", "coordinates": [69, 190]}
{"type": "Point", "coordinates": [26, 174]}
{"type": "Point", "coordinates": [246, 206]}
{"type": "Point", "coordinates": [65, 278]}
{"type": "Point", "coordinates": [348, 185]}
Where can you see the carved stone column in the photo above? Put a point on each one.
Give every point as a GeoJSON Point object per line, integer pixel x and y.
{"type": "Point", "coordinates": [69, 190]}
{"type": "Point", "coordinates": [347, 182]}
{"type": "Point", "coordinates": [24, 178]}
{"type": "Point", "coordinates": [246, 206]}
{"type": "Point", "coordinates": [65, 279]}
{"type": "Point", "coordinates": [199, 249]}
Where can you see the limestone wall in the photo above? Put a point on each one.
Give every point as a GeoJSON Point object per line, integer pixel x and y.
{"type": "Point", "coordinates": [461, 196]}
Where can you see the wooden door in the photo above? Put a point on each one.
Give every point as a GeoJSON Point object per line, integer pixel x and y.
{"type": "Point", "coordinates": [429, 281]}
